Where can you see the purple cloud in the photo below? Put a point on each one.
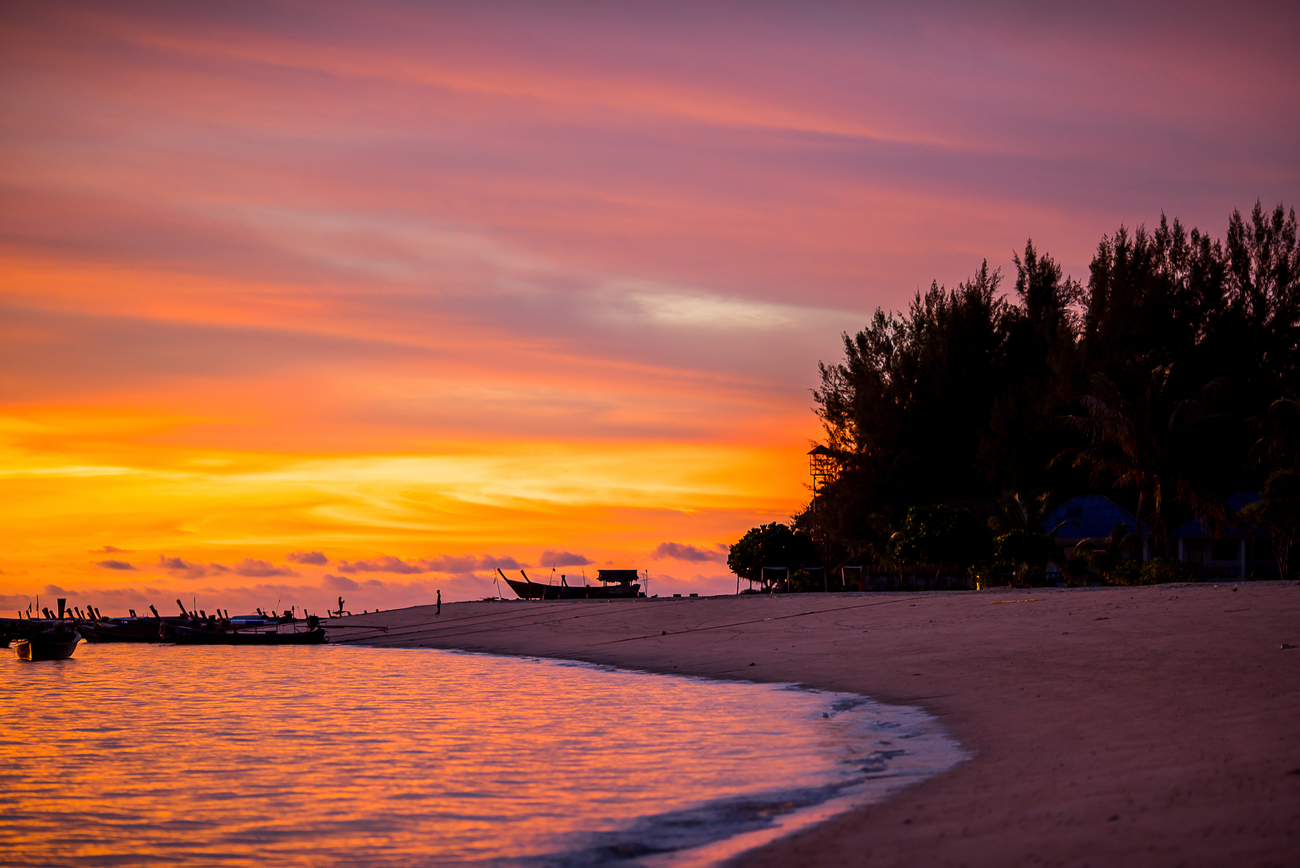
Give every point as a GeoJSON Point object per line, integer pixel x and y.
{"type": "Point", "coordinates": [455, 564]}
{"type": "Point", "coordinates": [109, 550]}
{"type": "Point", "coordinates": [490, 563]}
{"type": "Point", "coordinates": [114, 565]}
{"type": "Point", "coordinates": [564, 559]}
{"type": "Point", "coordinates": [382, 564]}
{"type": "Point", "coordinates": [184, 569]}
{"type": "Point", "coordinates": [314, 558]}
{"type": "Point", "coordinates": [261, 569]}
{"type": "Point", "coordinates": [468, 564]}
{"type": "Point", "coordinates": [680, 552]}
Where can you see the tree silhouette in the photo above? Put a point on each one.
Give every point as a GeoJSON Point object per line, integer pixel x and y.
{"type": "Point", "coordinates": [1142, 384]}
{"type": "Point", "coordinates": [770, 545]}
{"type": "Point", "coordinates": [1140, 437]}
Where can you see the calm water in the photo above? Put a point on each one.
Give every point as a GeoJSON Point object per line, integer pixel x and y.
{"type": "Point", "coordinates": [146, 755]}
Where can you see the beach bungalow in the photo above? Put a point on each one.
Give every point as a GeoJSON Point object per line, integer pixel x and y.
{"type": "Point", "coordinates": [1091, 516]}
{"type": "Point", "coordinates": [1238, 553]}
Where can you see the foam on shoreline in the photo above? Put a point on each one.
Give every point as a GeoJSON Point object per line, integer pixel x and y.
{"type": "Point", "coordinates": [883, 749]}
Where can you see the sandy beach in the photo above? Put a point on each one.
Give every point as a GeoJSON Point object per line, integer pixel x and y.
{"type": "Point", "coordinates": [1109, 726]}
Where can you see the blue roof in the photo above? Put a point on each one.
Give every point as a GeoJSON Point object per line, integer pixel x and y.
{"type": "Point", "coordinates": [1090, 516]}
{"type": "Point", "coordinates": [1235, 503]}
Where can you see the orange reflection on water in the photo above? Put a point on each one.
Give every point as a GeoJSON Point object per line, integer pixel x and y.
{"type": "Point", "coordinates": [132, 754]}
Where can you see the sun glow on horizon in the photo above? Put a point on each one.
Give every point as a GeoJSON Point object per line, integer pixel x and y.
{"type": "Point", "coordinates": [167, 515]}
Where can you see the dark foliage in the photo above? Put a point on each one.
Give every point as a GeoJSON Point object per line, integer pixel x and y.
{"type": "Point", "coordinates": [942, 536]}
{"type": "Point", "coordinates": [1168, 382]}
{"type": "Point", "coordinates": [771, 545]}
{"type": "Point", "coordinates": [1278, 512]}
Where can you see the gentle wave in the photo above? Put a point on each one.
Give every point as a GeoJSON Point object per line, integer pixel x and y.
{"type": "Point", "coordinates": [145, 755]}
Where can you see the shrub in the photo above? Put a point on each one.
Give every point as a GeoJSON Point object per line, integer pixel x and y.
{"type": "Point", "coordinates": [771, 545]}
{"type": "Point", "coordinates": [1157, 571]}
{"type": "Point", "coordinates": [1030, 576]}
{"type": "Point", "coordinates": [1075, 571]}
{"type": "Point", "coordinates": [941, 535]}
{"type": "Point", "coordinates": [1124, 573]}
{"type": "Point", "coordinates": [1160, 571]}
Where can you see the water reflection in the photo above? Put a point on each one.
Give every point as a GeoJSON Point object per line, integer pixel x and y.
{"type": "Point", "coordinates": [131, 755]}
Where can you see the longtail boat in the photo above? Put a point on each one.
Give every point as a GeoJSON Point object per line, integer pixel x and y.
{"type": "Point", "coordinates": [55, 643]}
{"type": "Point", "coordinates": [124, 629]}
{"type": "Point", "coordinates": [615, 584]}
{"type": "Point", "coordinates": [192, 636]}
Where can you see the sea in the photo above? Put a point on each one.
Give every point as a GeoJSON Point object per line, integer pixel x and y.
{"type": "Point", "coordinates": [156, 755]}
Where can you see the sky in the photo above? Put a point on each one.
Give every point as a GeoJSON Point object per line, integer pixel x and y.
{"type": "Point", "coordinates": [307, 300]}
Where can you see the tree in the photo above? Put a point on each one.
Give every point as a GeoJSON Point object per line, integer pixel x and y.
{"type": "Point", "coordinates": [941, 536]}
{"type": "Point", "coordinates": [1141, 436]}
{"type": "Point", "coordinates": [1106, 556]}
{"type": "Point", "coordinates": [1021, 537]}
{"type": "Point", "coordinates": [1141, 382]}
{"type": "Point", "coordinates": [1278, 511]}
{"type": "Point", "coordinates": [1043, 377]}
{"type": "Point", "coordinates": [908, 406]}
{"type": "Point", "coordinates": [770, 545]}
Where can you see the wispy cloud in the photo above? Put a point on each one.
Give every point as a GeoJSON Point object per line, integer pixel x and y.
{"type": "Point", "coordinates": [109, 550]}
{"type": "Point", "coordinates": [469, 564]}
{"type": "Point", "coordinates": [383, 564]}
{"type": "Point", "coordinates": [680, 552]}
{"type": "Point", "coordinates": [184, 569]}
{"type": "Point", "coordinates": [564, 559]}
{"type": "Point", "coordinates": [261, 569]}
{"type": "Point", "coordinates": [462, 565]}
{"type": "Point", "coordinates": [311, 558]}
{"type": "Point", "coordinates": [114, 565]}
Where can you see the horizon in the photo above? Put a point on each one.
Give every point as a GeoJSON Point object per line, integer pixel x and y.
{"type": "Point", "coordinates": [373, 301]}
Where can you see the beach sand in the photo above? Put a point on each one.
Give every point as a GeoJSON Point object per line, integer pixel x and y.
{"type": "Point", "coordinates": [1109, 726]}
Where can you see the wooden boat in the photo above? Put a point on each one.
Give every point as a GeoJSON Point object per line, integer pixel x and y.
{"type": "Point", "coordinates": [125, 629]}
{"type": "Point", "coordinates": [192, 636]}
{"type": "Point", "coordinates": [56, 643]}
{"type": "Point", "coordinates": [615, 584]}
{"type": "Point", "coordinates": [147, 629]}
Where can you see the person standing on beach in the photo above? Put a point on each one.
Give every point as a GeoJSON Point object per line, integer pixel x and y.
{"type": "Point", "coordinates": [439, 611]}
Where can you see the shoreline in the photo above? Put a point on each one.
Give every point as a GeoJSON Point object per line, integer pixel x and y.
{"type": "Point", "coordinates": [1108, 725]}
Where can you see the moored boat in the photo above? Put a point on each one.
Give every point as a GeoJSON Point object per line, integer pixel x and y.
{"type": "Point", "coordinates": [55, 643]}
{"type": "Point", "coordinates": [124, 630]}
{"type": "Point", "coordinates": [614, 584]}
{"type": "Point", "coordinates": [191, 636]}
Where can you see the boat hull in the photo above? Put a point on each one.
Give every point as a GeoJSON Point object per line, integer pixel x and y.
{"type": "Point", "coordinates": [186, 636]}
{"type": "Point", "coordinates": [40, 647]}
{"type": "Point", "coordinates": [142, 630]}
{"type": "Point", "coordinates": [536, 591]}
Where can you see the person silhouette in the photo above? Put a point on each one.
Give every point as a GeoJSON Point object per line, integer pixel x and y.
{"type": "Point", "coordinates": [439, 611]}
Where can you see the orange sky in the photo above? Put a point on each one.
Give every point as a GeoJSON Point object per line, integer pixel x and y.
{"type": "Point", "coordinates": [302, 300]}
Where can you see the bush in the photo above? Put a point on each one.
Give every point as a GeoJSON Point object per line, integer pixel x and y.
{"type": "Point", "coordinates": [1161, 571]}
{"type": "Point", "coordinates": [771, 545]}
{"type": "Point", "coordinates": [991, 574]}
{"type": "Point", "coordinates": [1157, 571]}
{"type": "Point", "coordinates": [1075, 571]}
{"type": "Point", "coordinates": [944, 536]}
{"type": "Point", "coordinates": [1124, 573]}
{"type": "Point", "coordinates": [1023, 547]}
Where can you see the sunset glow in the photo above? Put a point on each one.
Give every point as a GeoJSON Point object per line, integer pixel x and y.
{"type": "Point", "coordinates": [300, 302]}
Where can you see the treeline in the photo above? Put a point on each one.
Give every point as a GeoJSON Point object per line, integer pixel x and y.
{"type": "Point", "coordinates": [1167, 381]}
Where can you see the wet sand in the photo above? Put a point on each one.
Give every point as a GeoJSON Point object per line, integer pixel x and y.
{"type": "Point", "coordinates": [1110, 726]}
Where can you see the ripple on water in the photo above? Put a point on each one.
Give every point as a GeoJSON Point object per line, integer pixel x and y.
{"type": "Point", "coordinates": [147, 754]}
